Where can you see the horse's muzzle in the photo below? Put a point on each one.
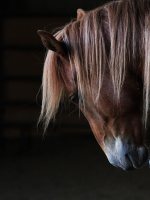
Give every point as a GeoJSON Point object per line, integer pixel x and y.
{"type": "Point", "coordinates": [128, 157]}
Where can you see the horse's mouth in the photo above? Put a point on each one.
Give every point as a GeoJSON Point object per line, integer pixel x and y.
{"type": "Point", "coordinates": [128, 166]}
{"type": "Point", "coordinates": [132, 160]}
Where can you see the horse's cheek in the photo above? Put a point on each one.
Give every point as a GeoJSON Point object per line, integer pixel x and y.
{"type": "Point", "coordinates": [97, 127]}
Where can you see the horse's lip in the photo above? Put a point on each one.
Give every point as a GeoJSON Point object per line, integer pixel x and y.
{"type": "Point", "coordinates": [127, 166]}
{"type": "Point", "coordinates": [130, 166]}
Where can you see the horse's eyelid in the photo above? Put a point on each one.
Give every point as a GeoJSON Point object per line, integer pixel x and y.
{"type": "Point", "coordinates": [74, 98]}
{"type": "Point", "coordinates": [71, 96]}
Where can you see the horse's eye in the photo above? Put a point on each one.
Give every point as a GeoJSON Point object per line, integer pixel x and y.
{"type": "Point", "coordinates": [74, 98]}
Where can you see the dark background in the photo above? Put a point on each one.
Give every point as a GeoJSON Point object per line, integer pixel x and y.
{"type": "Point", "coordinates": [66, 163]}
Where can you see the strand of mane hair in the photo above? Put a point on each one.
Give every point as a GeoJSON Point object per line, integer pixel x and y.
{"type": "Point", "coordinates": [129, 22]}
{"type": "Point", "coordinates": [53, 89]}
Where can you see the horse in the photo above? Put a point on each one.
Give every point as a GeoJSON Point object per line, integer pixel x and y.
{"type": "Point", "coordinates": [100, 61]}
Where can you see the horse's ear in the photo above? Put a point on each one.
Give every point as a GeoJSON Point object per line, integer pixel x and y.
{"type": "Point", "coordinates": [80, 13]}
{"type": "Point", "coordinates": [52, 44]}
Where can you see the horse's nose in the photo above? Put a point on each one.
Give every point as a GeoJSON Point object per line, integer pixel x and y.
{"type": "Point", "coordinates": [128, 157]}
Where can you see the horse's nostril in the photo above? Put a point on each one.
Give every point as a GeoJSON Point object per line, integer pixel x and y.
{"type": "Point", "coordinates": [138, 157]}
{"type": "Point", "coordinates": [143, 154]}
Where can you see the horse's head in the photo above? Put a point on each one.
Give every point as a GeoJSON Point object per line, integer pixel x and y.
{"type": "Point", "coordinates": [111, 99]}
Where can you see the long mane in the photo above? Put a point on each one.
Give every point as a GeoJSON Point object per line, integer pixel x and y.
{"type": "Point", "coordinates": [115, 36]}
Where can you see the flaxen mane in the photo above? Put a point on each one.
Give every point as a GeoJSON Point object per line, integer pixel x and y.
{"type": "Point", "coordinates": [114, 37]}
